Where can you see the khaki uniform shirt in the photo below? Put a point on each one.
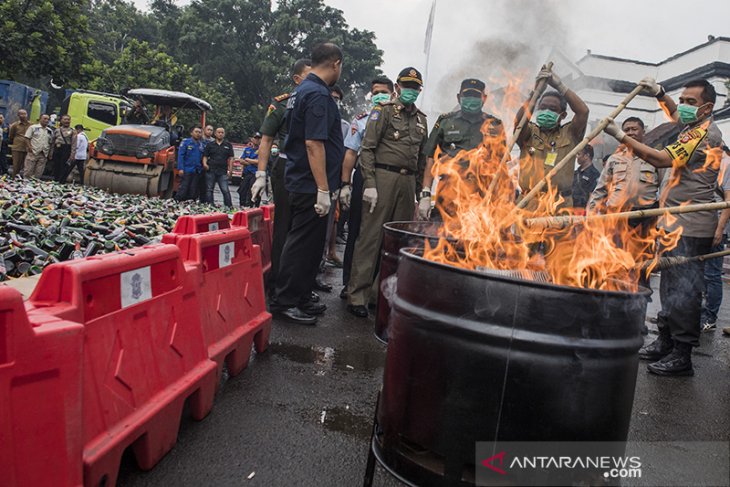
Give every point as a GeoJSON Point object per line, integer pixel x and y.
{"type": "Point", "coordinates": [395, 135]}
{"type": "Point", "coordinates": [39, 139]}
{"type": "Point", "coordinates": [627, 182]}
{"type": "Point", "coordinates": [16, 134]}
{"type": "Point", "coordinates": [697, 155]}
{"type": "Point", "coordinates": [541, 151]}
{"type": "Point", "coordinates": [454, 132]}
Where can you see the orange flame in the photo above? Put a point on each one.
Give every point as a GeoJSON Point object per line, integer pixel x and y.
{"type": "Point", "coordinates": [486, 231]}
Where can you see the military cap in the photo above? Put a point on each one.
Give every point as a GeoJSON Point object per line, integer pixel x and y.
{"type": "Point", "coordinates": [472, 85]}
{"type": "Point", "coordinates": [411, 75]}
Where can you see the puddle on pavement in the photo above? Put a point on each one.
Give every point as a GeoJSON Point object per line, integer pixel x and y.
{"type": "Point", "coordinates": [327, 358]}
{"type": "Point", "coordinates": [342, 420]}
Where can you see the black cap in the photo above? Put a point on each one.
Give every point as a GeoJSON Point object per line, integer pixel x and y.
{"type": "Point", "coordinates": [78, 126]}
{"type": "Point", "coordinates": [410, 75]}
{"type": "Point", "coordinates": [472, 86]}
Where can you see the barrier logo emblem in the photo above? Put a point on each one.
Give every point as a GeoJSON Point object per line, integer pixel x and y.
{"type": "Point", "coordinates": [136, 286]}
{"type": "Point", "coordinates": [226, 252]}
{"type": "Point", "coordinates": [212, 227]}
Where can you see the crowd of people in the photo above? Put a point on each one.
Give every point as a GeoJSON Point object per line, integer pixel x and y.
{"type": "Point", "coordinates": [325, 175]}
{"type": "Point", "coordinates": [379, 170]}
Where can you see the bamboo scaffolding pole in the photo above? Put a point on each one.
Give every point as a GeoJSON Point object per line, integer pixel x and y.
{"type": "Point", "coordinates": [559, 222]}
{"type": "Point", "coordinates": [569, 157]}
{"type": "Point", "coordinates": [540, 86]}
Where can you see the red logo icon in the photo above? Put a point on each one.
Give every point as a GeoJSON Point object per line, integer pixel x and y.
{"type": "Point", "coordinates": [488, 463]}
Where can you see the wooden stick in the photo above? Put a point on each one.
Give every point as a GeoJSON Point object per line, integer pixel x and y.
{"type": "Point", "coordinates": [540, 86]}
{"type": "Point", "coordinates": [666, 262]}
{"type": "Point", "coordinates": [571, 155]}
{"type": "Point", "coordinates": [559, 222]}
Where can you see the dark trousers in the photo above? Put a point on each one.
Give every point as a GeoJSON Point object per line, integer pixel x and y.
{"type": "Point", "coordinates": [79, 165]}
{"type": "Point", "coordinates": [353, 224]}
{"type": "Point", "coordinates": [201, 191]}
{"type": "Point", "coordinates": [60, 168]}
{"type": "Point", "coordinates": [282, 217]}
{"type": "Point", "coordinates": [222, 181]}
{"type": "Point", "coordinates": [244, 190]}
{"type": "Point", "coordinates": [301, 254]}
{"type": "Point", "coordinates": [713, 284]}
{"type": "Point", "coordinates": [681, 292]}
{"type": "Point", "coordinates": [3, 158]}
{"type": "Point", "coordinates": [189, 184]}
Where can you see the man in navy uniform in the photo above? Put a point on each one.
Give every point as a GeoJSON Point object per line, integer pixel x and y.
{"type": "Point", "coordinates": [314, 148]}
{"type": "Point", "coordinates": [190, 162]}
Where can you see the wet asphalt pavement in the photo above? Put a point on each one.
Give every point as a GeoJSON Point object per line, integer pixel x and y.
{"type": "Point", "coordinates": [301, 413]}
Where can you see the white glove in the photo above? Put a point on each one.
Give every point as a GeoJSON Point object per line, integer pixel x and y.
{"type": "Point", "coordinates": [323, 204]}
{"type": "Point", "coordinates": [258, 185]}
{"type": "Point", "coordinates": [424, 207]}
{"type": "Point", "coordinates": [614, 130]}
{"type": "Point", "coordinates": [651, 87]}
{"type": "Point", "coordinates": [345, 196]}
{"type": "Point", "coordinates": [370, 195]}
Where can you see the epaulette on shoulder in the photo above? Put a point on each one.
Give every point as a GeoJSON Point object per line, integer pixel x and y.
{"type": "Point", "coordinates": [362, 115]}
{"type": "Point", "coordinates": [282, 97]}
{"type": "Point", "coordinates": [447, 115]}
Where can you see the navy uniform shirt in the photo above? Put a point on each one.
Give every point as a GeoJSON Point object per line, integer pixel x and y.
{"type": "Point", "coordinates": [190, 156]}
{"type": "Point", "coordinates": [312, 114]}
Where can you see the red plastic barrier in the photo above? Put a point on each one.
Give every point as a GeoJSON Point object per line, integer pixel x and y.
{"type": "Point", "coordinates": [191, 224]}
{"type": "Point", "coordinates": [227, 268]}
{"type": "Point", "coordinates": [143, 352]}
{"type": "Point", "coordinates": [254, 221]}
{"type": "Point", "coordinates": [269, 211]}
{"type": "Point", "coordinates": [40, 397]}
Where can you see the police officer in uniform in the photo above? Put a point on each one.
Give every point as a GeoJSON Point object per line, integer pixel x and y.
{"type": "Point", "coordinates": [190, 162]}
{"type": "Point", "coordinates": [391, 156]}
{"type": "Point", "coordinates": [462, 130]}
{"type": "Point", "coordinates": [381, 90]}
{"type": "Point", "coordinates": [546, 141]}
{"type": "Point", "coordinates": [273, 128]}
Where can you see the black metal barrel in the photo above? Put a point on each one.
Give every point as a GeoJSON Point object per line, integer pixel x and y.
{"type": "Point", "coordinates": [398, 235]}
{"type": "Point", "coordinates": [476, 357]}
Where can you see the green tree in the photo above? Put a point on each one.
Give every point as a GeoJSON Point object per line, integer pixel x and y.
{"type": "Point", "coordinates": [43, 38]}
{"type": "Point", "coordinates": [117, 22]}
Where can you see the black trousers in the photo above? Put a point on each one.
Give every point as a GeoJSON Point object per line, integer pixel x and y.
{"type": "Point", "coordinates": [302, 252]}
{"type": "Point", "coordinates": [189, 184]}
{"type": "Point", "coordinates": [282, 217]}
{"type": "Point", "coordinates": [353, 224]}
{"type": "Point", "coordinates": [60, 156]}
{"type": "Point", "coordinates": [244, 190]}
{"type": "Point", "coordinates": [681, 292]}
{"type": "Point", "coordinates": [79, 165]}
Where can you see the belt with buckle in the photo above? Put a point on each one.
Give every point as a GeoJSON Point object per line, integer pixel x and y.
{"type": "Point", "coordinates": [400, 170]}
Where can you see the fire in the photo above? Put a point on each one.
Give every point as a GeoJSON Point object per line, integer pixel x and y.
{"type": "Point", "coordinates": [485, 230]}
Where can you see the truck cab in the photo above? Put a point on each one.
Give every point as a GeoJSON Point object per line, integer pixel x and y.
{"type": "Point", "coordinates": [95, 110]}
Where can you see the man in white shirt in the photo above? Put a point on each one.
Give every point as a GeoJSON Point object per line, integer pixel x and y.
{"type": "Point", "coordinates": [80, 155]}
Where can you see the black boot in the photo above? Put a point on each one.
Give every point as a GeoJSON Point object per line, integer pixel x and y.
{"type": "Point", "coordinates": [659, 348]}
{"type": "Point", "coordinates": [679, 362]}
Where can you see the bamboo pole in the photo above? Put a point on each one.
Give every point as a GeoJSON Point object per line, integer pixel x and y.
{"type": "Point", "coordinates": [540, 86]}
{"type": "Point", "coordinates": [559, 222]}
{"type": "Point", "coordinates": [569, 157]}
{"type": "Point", "coordinates": [666, 262]}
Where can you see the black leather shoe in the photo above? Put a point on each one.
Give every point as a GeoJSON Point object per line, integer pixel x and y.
{"type": "Point", "coordinates": [359, 311]}
{"type": "Point", "coordinates": [659, 348]}
{"type": "Point", "coordinates": [322, 286]}
{"type": "Point", "coordinates": [313, 309]}
{"type": "Point", "coordinates": [677, 363]}
{"type": "Point", "coordinates": [314, 298]}
{"type": "Point", "coordinates": [343, 293]}
{"type": "Point", "coordinates": [295, 315]}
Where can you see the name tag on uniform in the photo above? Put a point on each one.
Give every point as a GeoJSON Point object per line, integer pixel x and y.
{"type": "Point", "coordinates": [551, 158]}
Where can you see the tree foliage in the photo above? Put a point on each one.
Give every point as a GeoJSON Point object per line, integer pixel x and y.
{"type": "Point", "coordinates": [43, 38]}
{"type": "Point", "coordinates": [236, 54]}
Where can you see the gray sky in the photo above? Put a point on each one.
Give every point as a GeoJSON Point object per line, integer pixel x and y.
{"type": "Point", "coordinates": [480, 38]}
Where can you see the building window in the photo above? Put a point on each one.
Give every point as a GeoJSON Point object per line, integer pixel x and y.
{"type": "Point", "coordinates": [103, 112]}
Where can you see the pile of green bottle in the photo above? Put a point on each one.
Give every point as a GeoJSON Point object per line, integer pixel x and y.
{"type": "Point", "coordinates": [44, 222]}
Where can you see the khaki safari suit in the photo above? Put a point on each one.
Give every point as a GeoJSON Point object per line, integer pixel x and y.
{"type": "Point", "coordinates": [18, 144]}
{"type": "Point", "coordinates": [392, 154]}
{"type": "Point", "coordinates": [541, 150]}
